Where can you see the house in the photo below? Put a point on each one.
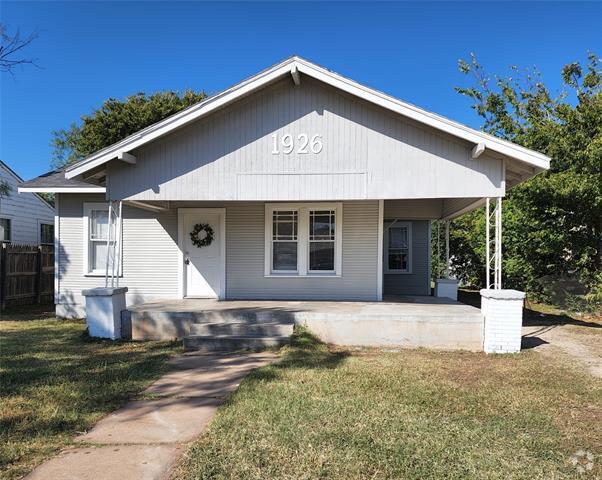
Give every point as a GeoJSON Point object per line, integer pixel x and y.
{"type": "Point", "coordinates": [25, 218]}
{"type": "Point", "coordinates": [295, 184]}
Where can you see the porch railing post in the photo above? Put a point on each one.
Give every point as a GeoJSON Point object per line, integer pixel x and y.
{"type": "Point", "coordinates": [499, 243]}
{"type": "Point", "coordinates": [487, 240]}
{"type": "Point", "coordinates": [447, 266]}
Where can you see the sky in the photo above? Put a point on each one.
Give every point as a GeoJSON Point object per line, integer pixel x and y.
{"type": "Point", "coordinates": [90, 51]}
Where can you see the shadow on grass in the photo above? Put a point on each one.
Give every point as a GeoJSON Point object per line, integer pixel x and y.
{"type": "Point", "coordinates": [305, 351]}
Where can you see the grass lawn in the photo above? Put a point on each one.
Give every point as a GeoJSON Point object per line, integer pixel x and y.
{"type": "Point", "coordinates": [55, 382]}
{"type": "Point", "coordinates": [414, 414]}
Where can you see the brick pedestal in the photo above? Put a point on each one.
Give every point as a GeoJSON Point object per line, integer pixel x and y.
{"type": "Point", "coordinates": [503, 313]}
{"type": "Point", "coordinates": [103, 311]}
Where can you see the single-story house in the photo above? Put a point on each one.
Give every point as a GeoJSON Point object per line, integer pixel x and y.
{"type": "Point", "coordinates": [295, 184]}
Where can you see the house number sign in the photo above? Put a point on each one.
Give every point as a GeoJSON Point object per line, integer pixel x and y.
{"type": "Point", "coordinates": [302, 143]}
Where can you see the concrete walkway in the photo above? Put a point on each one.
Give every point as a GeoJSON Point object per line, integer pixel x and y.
{"type": "Point", "coordinates": [142, 440]}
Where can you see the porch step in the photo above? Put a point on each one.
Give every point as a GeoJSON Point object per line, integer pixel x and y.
{"type": "Point", "coordinates": [242, 329]}
{"type": "Point", "coordinates": [230, 343]}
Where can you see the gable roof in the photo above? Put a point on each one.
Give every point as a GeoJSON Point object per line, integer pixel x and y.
{"type": "Point", "coordinates": [55, 182]}
{"type": "Point", "coordinates": [20, 181]}
{"type": "Point", "coordinates": [293, 66]}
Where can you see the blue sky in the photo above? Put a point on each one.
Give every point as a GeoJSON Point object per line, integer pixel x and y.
{"type": "Point", "coordinates": [89, 51]}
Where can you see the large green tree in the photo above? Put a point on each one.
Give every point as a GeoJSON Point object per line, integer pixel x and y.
{"type": "Point", "coordinates": [553, 222]}
{"type": "Point", "coordinates": [115, 120]}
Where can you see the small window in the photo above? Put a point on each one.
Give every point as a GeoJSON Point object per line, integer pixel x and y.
{"type": "Point", "coordinates": [321, 240]}
{"type": "Point", "coordinates": [398, 251]}
{"type": "Point", "coordinates": [5, 232]}
{"type": "Point", "coordinates": [96, 235]}
{"type": "Point", "coordinates": [285, 224]}
{"type": "Point", "coordinates": [46, 234]}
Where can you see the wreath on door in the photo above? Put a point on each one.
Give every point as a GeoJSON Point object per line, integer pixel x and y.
{"type": "Point", "coordinates": [201, 235]}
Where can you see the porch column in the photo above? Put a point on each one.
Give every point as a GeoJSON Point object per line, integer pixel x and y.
{"type": "Point", "coordinates": [502, 309]}
{"type": "Point", "coordinates": [446, 287]}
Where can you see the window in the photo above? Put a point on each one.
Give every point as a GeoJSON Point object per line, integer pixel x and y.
{"type": "Point", "coordinates": [284, 240]}
{"type": "Point", "coordinates": [96, 231]}
{"type": "Point", "coordinates": [321, 240]}
{"type": "Point", "coordinates": [398, 237]}
{"type": "Point", "coordinates": [5, 232]}
{"type": "Point", "coordinates": [303, 239]}
{"type": "Point", "coordinates": [46, 234]}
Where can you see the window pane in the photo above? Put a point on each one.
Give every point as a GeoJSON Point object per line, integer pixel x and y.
{"type": "Point", "coordinates": [98, 254]}
{"type": "Point", "coordinates": [398, 259]}
{"type": "Point", "coordinates": [284, 225]}
{"type": "Point", "coordinates": [398, 237]}
{"type": "Point", "coordinates": [285, 256]}
{"type": "Point", "coordinates": [99, 224]}
{"type": "Point", "coordinates": [321, 225]}
{"type": "Point", "coordinates": [4, 230]}
{"type": "Point", "coordinates": [321, 256]}
{"type": "Point", "coordinates": [46, 233]}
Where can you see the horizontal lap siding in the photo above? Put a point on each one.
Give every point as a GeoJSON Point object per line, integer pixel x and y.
{"type": "Point", "coordinates": [245, 239]}
{"type": "Point", "coordinates": [417, 282]}
{"type": "Point", "coordinates": [150, 251]}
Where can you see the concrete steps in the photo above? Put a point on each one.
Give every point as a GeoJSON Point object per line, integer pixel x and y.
{"type": "Point", "coordinates": [242, 329]}
{"type": "Point", "coordinates": [230, 343]}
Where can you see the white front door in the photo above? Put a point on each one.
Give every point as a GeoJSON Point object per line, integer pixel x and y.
{"type": "Point", "coordinates": [204, 266]}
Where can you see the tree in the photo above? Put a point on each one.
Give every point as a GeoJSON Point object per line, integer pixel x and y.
{"type": "Point", "coordinates": [11, 49]}
{"type": "Point", "coordinates": [115, 120]}
{"type": "Point", "coordinates": [553, 222]}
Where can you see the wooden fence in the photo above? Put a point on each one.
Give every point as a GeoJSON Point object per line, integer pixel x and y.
{"type": "Point", "coordinates": [26, 274]}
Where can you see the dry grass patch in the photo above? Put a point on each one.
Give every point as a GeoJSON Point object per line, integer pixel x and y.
{"type": "Point", "coordinates": [340, 414]}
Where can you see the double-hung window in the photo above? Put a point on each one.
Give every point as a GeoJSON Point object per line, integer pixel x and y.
{"type": "Point", "coordinates": [303, 239]}
{"type": "Point", "coordinates": [398, 238]}
{"type": "Point", "coordinates": [46, 234]}
{"type": "Point", "coordinates": [96, 232]}
{"type": "Point", "coordinates": [285, 231]}
{"type": "Point", "coordinates": [5, 233]}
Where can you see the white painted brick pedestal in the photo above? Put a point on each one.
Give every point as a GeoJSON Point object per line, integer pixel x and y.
{"type": "Point", "coordinates": [103, 311]}
{"type": "Point", "coordinates": [503, 313]}
{"type": "Point", "coordinates": [447, 288]}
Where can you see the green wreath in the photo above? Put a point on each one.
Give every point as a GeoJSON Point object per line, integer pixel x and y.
{"type": "Point", "coordinates": [206, 240]}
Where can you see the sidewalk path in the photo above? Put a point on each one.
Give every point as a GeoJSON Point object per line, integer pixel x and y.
{"type": "Point", "coordinates": [142, 440]}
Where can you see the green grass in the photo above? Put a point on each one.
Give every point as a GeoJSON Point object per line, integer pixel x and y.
{"type": "Point", "coordinates": [414, 414]}
{"type": "Point", "coordinates": [55, 382]}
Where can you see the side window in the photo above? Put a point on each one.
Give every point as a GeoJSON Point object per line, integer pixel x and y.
{"type": "Point", "coordinates": [46, 234]}
{"type": "Point", "coordinates": [5, 232]}
{"type": "Point", "coordinates": [398, 248]}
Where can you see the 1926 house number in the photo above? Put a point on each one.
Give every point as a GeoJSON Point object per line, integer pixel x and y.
{"type": "Point", "coordinates": [288, 144]}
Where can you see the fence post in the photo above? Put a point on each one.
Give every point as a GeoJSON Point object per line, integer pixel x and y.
{"type": "Point", "coordinates": [3, 276]}
{"type": "Point", "coordinates": [39, 275]}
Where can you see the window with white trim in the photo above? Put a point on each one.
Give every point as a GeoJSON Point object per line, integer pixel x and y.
{"type": "Point", "coordinates": [46, 234]}
{"type": "Point", "coordinates": [303, 239]}
{"type": "Point", "coordinates": [285, 226]}
{"type": "Point", "coordinates": [5, 231]}
{"type": "Point", "coordinates": [96, 231]}
{"type": "Point", "coordinates": [398, 247]}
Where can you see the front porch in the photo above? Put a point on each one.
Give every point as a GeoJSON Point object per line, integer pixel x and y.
{"type": "Point", "coordinates": [399, 321]}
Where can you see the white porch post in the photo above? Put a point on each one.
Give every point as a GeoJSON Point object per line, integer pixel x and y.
{"type": "Point", "coordinates": [502, 309]}
{"type": "Point", "coordinates": [446, 287]}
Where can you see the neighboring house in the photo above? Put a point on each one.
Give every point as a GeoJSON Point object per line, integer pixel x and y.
{"type": "Point", "coordinates": [25, 218]}
{"type": "Point", "coordinates": [312, 187]}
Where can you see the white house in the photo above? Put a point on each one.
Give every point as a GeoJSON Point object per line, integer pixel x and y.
{"type": "Point", "coordinates": [25, 218]}
{"type": "Point", "coordinates": [309, 186]}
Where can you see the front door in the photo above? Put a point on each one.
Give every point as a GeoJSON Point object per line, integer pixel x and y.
{"type": "Point", "coordinates": [203, 275]}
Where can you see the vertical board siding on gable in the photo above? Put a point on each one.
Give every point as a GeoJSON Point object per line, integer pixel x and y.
{"type": "Point", "coordinates": [25, 210]}
{"type": "Point", "coordinates": [150, 252]}
{"type": "Point", "coordinates": [418, 282]}
{"type": "Point", "coordinates": [368, 153]}
{"type": "Point", "coordinates": [245, 239]}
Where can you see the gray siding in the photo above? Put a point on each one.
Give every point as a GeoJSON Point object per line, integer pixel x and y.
{"type": "Point", "coordinates": [425, 209]}
{"type": "Point", "coordinates": [26, 211]}
{"type": "Point", "coordinates": [418, 282]}
{"type": "Point", "coordinates": [150, 255]}
{"type": "Point", "coordinates": [368, 153]}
